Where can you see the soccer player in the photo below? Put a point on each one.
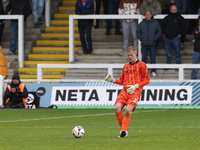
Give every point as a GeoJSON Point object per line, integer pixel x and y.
{"type": "Point", "coordinates": [134, 76]}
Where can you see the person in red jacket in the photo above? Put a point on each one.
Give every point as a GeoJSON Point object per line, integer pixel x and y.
{"type": "Point", "coordinates": [134, 76]}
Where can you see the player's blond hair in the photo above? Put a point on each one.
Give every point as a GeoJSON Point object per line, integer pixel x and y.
{"type": "Point", "coordinates": [132, 48]}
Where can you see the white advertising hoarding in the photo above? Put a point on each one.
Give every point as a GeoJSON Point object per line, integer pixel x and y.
{"type": "Point", "coordinates": [106, 95]}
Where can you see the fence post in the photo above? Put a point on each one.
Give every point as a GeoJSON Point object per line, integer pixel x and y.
{"type": "Point", "coordinates": [1, 90]}
{"type": "Point", "coordinates": [47, 12]}
{"type": "Point", "coordinates": [181, 72]}
{"type": "Point", "coordinates": [21, 41]}
{"type": "Point", "coordinates": [110, 69]}
{"type": "Point", "coordinates": [140, 18]}
{"type": "Point", "coordinates": [39, 73]}
{"type": "Point", "coordinates": [71, 38]}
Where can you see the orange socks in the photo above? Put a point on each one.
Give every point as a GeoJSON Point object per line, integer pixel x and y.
{"type": "Point", "coordinates": [125, 121]}
{"type": "Point", "coordinates": [120, 117]}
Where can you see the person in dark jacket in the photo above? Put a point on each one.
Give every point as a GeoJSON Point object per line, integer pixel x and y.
{"type": "Point", "coordinates": [149, 32]}
{"type": "Point", "coordinates": [173, 27]}
{"type": "Point", "coordinates": [85, 7]}
{"type": "Point", "coordinates": [17, 7]}
{"type": "Point", "coordinates": [196, 53]}
{"type": "Point", "coordinates": [181, 5]}
{"type": "Point", "coordinates": [2, 22]}
{"type": "Point", "coordinates": [113, 6]}
{"type": "Point", "coordinates": [16, 93]}
{"type": "Point", "coordinates": [98, 6]}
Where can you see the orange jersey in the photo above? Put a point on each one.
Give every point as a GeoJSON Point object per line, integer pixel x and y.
{"type": "Point", "coordinates": [132, 74]}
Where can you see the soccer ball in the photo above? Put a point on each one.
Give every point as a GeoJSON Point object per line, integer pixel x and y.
{"type": "Point", "coordinates": [78, 131]}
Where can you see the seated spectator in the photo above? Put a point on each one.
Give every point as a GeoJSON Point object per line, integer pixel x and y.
{"type": "Point", "coordinates": [149, 32]}
{"type": "Point", "coordinates": [196, 53]}
{"type": "Point", "coordinates": [16, 93]}
{"type": "Point", "coordinates": [85, 7]}
{"type": "Point", "coordinates": [129, 7]}
{"type": "Point", "coordinates": [173, 27]}
{"type": "Point", "coordinates": [2, 22]}
{"type": "Point", "coordinates": [151, 5]}
{"type": "Point", "coordinates": [98, 9]}
{"type": "Point", "coordinates": [17, 7]}
{"type": "Point", "coordinates": [38, 6]}
{"type": "Point", "coordinates": [3, 64]}
{"type": "Point", "coordinates": [181, 5]}
{"type": "Point", "coordinates": [113, 6]}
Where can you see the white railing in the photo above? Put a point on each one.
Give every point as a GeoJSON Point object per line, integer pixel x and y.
{"type": "Point", "coordinates": [110, 68]}
{"type": "Point", "coordinates": [47, 12]}
{"type": "Point", "coordinates": [20, 19]}
{"type": "Point", "coordinates": [138, 17]}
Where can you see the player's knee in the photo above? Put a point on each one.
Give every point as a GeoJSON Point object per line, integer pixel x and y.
{"type": "Point", "coordinates": [128, 110]}
{"type": "Point", "coordinates": [117, 108]}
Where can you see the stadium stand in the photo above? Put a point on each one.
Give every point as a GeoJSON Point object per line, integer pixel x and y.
{"type": "Point", "coordinates": [50, 45]}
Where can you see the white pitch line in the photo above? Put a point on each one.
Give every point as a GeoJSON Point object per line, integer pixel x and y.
{"type": "Point", "coordinates": [65, 117]}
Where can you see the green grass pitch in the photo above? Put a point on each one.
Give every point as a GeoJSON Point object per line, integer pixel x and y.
{"type": "Point", "coordinates": [51, 129]}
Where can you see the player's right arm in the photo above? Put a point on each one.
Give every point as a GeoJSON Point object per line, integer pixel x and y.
{"type": "Point", "coordinates": [109, 78]}
{"type": "Point", "coordinates": [121, 79]}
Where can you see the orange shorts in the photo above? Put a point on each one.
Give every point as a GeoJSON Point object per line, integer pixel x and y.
{"type": "Point", "coordinates": [126, 99]}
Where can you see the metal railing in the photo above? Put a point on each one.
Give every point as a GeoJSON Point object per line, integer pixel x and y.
{"type": "Point", "coordinates": [138, 17]}
{"type": "Point", "coordinates": [110, 68]}
{"type": "Point", "coordinates": [47, 12]}
{"type": "Point", "coordinates": [20, 19]}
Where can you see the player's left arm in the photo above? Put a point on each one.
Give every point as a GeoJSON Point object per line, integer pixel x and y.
{"type": "Point", "coordinates": [145, 79]}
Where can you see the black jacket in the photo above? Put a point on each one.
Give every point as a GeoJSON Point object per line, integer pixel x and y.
{"type": "Point", "coordinates": [196, 34]}
{"type": "Point", "coordinates": [173, 25]}
{"type": "Point", "coordinates": [85, 10]}
{"type": "Point", "coordinates": [2, 12]}
{"type": "Point", "coordinates": [149, 32]}
{"type": "Point", "coordinates": [13, 96]}
{"type": "Point", "coordinates": [19, 7]}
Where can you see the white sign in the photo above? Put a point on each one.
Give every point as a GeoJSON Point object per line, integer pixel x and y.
{"type": "Point", "coordinates": [106, 95]}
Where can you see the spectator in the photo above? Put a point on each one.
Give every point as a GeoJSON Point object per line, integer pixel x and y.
{"type": "Point", "coordinates": [3, 64]}
{"type": "Point", "coordinates": [84, 7]}
{"type": "Point", "coordinates": [196, 6]}
{"type": "Point", "coordinates": [149, 32]}
{"type": "Point", "coordinates": [98, 8]}
{"type": "Point", "coordinates": [38, 6]}
{"type": "Point", "coordinates": [196, 53]}
{"type": "Point", "coordinates": [113, 6]}
{"type": "Point", "coordinates": [173, 26]}
{"type": "Point", "coordinates": [16, 93]}
{"type": "Point", "coordinates": [151, 5]}
{"type": "Point", "coordinates": [181, 5]}
{"type": "Point", "coordinates": [2, 22]}
{"type": "Point", "coordinates": [182, 8]}
{"type": "Point", "coordinates": [17, 7]}
{"type": "Point", "coordinates": [129, 7]}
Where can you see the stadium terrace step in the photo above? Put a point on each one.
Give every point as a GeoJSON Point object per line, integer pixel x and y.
{"type": "Point", "coordinates": [30, 64]}
{"type": "Point", "coordinates": [62, 16]}
{"type": "Point", "coordinates": [34, 76]}
{"type": "Point", "coordinates": [28, 70]}
{"type": "Point", "coordinates": [66, 8]}
{"type": "Point", "coordinates": [56, 42]}
{"type": "Point", "coordinates": [68, 2]}
{"type": "Point", "coordinates": [62, 22]}
{"type": "Point", "coordinates": [51, 57]}
{"type": "Point", "coordinates": [59, 29]}
{"type": "Point", "coordinates": [58, 35]}
{"type": "Point", "coordinates": [53, 50]}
